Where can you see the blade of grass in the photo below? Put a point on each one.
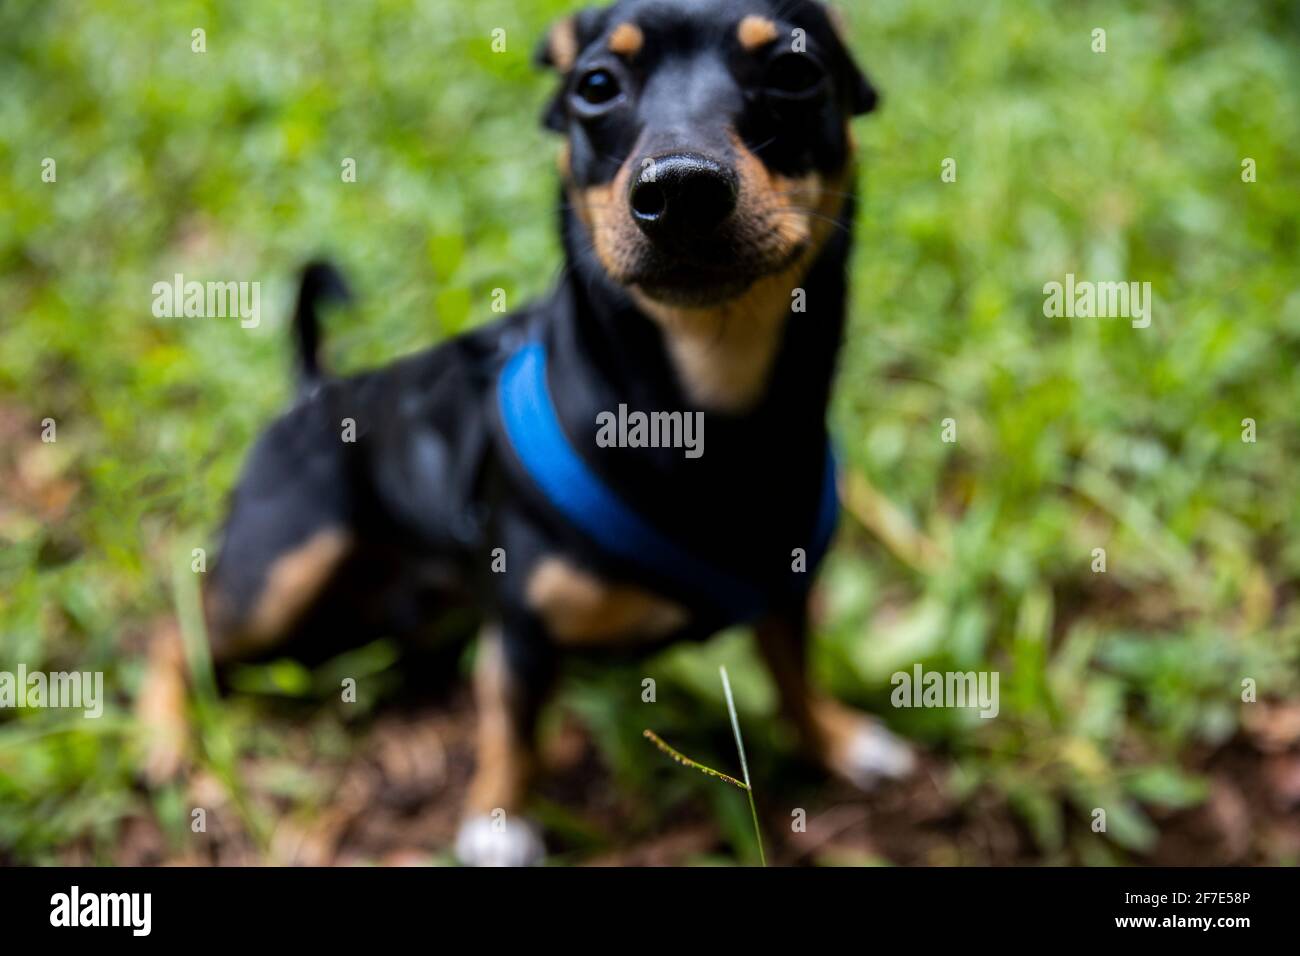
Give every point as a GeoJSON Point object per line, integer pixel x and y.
{"type": "Point", "coordinates": [744, 764]}
{"type": "Point", "coordinates": [745, 785]}
{"type": "Point", "coordinates": [686, 761]}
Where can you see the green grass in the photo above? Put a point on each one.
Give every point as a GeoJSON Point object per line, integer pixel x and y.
{"type": "Point", "coordinates": [1072, 434]}
{"type": "Point", "coordinates": [744, 784]}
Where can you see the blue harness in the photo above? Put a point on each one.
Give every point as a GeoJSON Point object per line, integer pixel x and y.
{"type": "Point", "coordinates": [533, 430]}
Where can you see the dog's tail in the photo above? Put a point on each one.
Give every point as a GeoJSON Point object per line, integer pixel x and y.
{"type": "Point", "coordinates": [321, 282]}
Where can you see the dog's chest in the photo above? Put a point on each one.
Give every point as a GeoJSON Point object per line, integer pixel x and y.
{"type": "Point", "coordinates": [677, 514]}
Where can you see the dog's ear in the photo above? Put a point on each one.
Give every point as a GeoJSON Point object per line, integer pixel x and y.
{"type": "Point", "coordinates": [559, 47]}
{"type": "Point", "coordinates": [862, 94]}
{"type": "Point", "coordinates": [559, 50]}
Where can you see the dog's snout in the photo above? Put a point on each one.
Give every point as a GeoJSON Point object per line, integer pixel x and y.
{"type": "Point", "coordinates": [682, 197]}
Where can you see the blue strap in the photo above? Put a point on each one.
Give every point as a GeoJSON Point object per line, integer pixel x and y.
{"type": "Point", "coordinates": [576, 492]}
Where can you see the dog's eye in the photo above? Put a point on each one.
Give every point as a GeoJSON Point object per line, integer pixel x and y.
{"type": "Point", "coordinates": [792, 74]}
{"type": "Point", "coordinates": [598, 86]}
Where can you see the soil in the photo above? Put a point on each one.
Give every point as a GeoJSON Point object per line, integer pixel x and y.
{"type": "Point", "coordinates": [394, 800]}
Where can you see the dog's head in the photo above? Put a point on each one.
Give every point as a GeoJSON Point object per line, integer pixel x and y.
{"type": "Point", "coordinates": [706, 138]}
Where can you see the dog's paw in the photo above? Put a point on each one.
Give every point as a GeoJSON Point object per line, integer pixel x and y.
{"type": "Point", "coordinates": [872, 754]}
{"type": "Point", "coordinates": [163, 754]}
{"type": "Point", "coordinates": [487, 840]}
{"type": "Point", "coordinates": [160, 717]}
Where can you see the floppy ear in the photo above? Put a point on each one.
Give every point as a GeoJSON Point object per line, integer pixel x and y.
{"type": "Point", "coordinates": [862, 95]}
{"type": "Point", "coordinates": [559, 50]}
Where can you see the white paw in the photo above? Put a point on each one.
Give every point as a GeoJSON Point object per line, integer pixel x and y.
{"type": "Point", "coordinates": [499, 840]}
{"type": "Point", "coordinates": [874, 754]}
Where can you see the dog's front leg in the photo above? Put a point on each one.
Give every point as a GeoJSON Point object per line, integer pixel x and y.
{"type": "Point", "coordinates": [512, 677]}
{"type": "Point", "coordinates": [849, 743]}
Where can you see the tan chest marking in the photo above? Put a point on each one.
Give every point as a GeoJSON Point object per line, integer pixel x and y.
{"type": "Point", "coordinates": [723, 354]}
{"type": "Point", "coordinates": [580, 609]}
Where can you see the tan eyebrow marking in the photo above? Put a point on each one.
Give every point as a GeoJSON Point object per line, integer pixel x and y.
{"type": "Point", "coordinates": [756, 32]}
{"type": "Point", "coordinates": [626, 40]}
{"type": "Point", "coordinates": [563, 45]}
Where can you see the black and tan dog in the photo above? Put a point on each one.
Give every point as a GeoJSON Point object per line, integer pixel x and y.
{"type": "Point", "coordinates": [708, 196]}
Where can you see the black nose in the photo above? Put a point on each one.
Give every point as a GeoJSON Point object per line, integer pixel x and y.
{"type": "Point", "coordinates": [682, 197]}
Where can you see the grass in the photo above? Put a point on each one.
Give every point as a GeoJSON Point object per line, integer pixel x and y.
{"type": "Point", "coordinates": [1118, 688]}
{"type": "Point", "coordinates": [744, 785]}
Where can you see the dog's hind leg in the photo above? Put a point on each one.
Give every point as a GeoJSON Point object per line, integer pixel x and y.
{"type": "Point", "coordinates": [511, 680]}
{"type": "Point", "coordinates": [289, 531]}
{"type": "Point", "coordinates": [290, 526]}
{"type": "Point", "coordinates": [849, 743]}
{"type": "Point", "coordinates": [293, 583]}
{"type": "Point", "coordinates": [247, 621]}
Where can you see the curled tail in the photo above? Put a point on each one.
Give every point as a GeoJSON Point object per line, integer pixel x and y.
{"type": "Point", "coordinates": [321, 282]}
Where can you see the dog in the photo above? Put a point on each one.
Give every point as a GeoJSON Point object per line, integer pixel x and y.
{"type": "Point", "coordinates": [706, 213]}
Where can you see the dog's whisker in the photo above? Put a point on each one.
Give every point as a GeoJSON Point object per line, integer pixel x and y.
{"type": "Point", "coordinates": [837, 193]}
{"type": "Point", "coordinates": [813, 214]}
